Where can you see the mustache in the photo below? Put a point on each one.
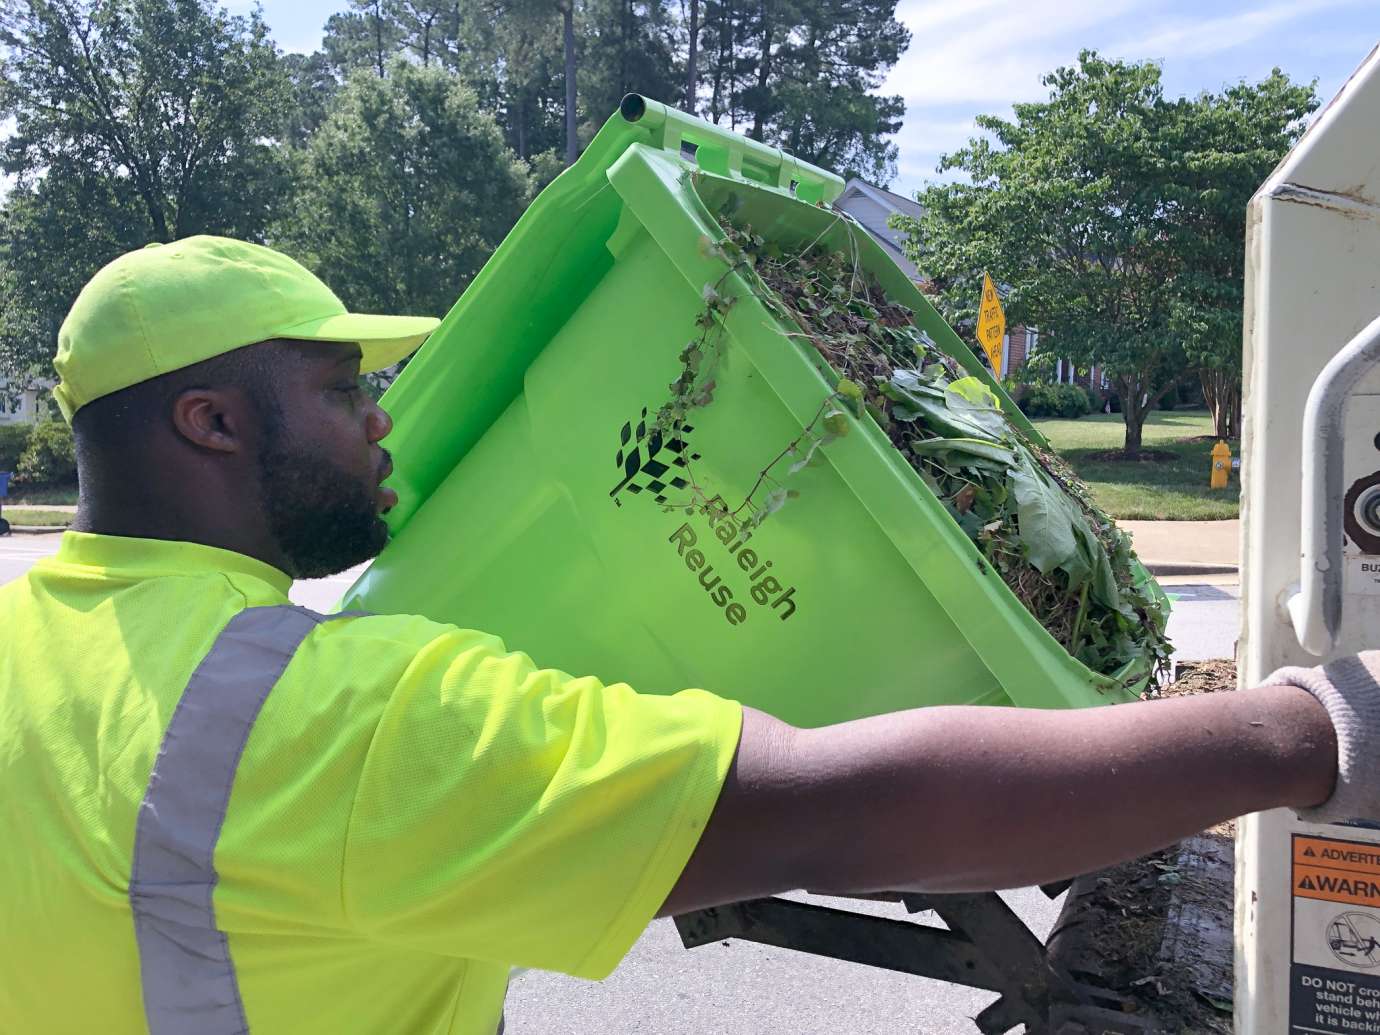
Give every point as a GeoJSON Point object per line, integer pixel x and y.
{"type": "Point", "coordinates": [385, 464]}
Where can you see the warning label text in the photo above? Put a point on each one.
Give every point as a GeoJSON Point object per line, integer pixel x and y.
{"type": "Point", "coordinates": [1336, 871]}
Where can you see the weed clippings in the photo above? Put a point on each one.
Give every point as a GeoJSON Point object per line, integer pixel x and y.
{"type": "Point", "coordinates": [1023, 508]}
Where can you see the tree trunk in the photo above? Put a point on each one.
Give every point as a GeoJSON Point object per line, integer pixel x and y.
{"type": "Point", "coordinates": [572, 141]}
{"type": "Point", "coordinates": [1222, 393]}
{"type": "Point", "coordinates": [520, 129]}
{"type": "Point", "coordinates": [691, 83]}
{"type": "Point", "coordinates": [379, 56]}
{"type": "Point", "coordinates": [733, 76]}
{"type": "Point", "coordinates": [716, 103]}
{"type": "Point", "coordinates": [759, 115]}
{"type": "Point", "coordinates": [1133, 412]}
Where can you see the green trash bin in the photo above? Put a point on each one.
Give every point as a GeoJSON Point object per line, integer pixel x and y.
{"type": "Point", "coordinates": [531, 478]}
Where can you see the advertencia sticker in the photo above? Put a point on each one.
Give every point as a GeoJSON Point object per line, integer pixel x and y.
{"type": "Point", "coordinates": [1335, 977]}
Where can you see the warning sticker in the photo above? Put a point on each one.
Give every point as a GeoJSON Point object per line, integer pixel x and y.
{"type": "Point", "coordinates": [1335, 977]}
{"type": "Point", "coordinates": [1363, 575]}
{"type": "Point", "coordinates": [1337, 871]}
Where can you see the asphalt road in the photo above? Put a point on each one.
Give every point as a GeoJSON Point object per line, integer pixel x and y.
{"type": "Point", "coordinates": [739, 988]}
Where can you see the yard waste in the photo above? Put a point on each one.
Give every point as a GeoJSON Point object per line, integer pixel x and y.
{"type": "Point", "coordinates": [1033, 521]}
{"type": "Point", "coordinates": [628, 452]}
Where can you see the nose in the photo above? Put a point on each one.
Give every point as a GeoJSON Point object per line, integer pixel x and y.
{"type": "Point", "coordinates": [378, 423]}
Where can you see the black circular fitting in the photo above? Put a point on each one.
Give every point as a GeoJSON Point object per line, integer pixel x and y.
{"type": "Point", "coordinates": [632, 107]}
{"type": "Point", "coordinates": [1361, 517]}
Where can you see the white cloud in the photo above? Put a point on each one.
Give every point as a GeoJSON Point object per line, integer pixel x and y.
{"type": "Point", "coordinates": [983, 56]}
{"type": "Point", "coordinates": [1206, 36]}
{"type": "Point", "coordinates": [991, 51]}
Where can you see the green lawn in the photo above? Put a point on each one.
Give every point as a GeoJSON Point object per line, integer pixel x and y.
{"type": "Point", "coordinates": [36, 517]}
{"type": "Point", "coordinates": [1168, 490]}
{"type": "Point", "coordinates": [65, 496]}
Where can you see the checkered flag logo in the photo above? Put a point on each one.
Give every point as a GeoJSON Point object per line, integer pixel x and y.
{"type": "Point", "coordinates": [651, 460]}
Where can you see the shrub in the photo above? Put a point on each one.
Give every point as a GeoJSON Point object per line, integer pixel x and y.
{"type": "Point", "coordinates": [49, 457]}
{"type": "Point", "coordinates": [1067, 401]}
{"type": "Point", "coordinates": [13, 439]}
{"type": "Point", "coordinates": [1191, 395]}
{"type": "Point", "coordinates": [1170, 399]}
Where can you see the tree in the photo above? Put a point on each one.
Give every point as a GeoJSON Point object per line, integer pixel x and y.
{"type": "Point", "coordinates": [801, 74]}
{"type": "Point", "coordinates": [1228, 143]}
{"type": "Point", "coordinates": [692, 55]}
{"type": "Point", "coordinates": [366, 36]}
{"type": "Point", "coordinates": [430, 29]}
{"type": "Point", "coordinates": [1069, 205]}
{"type": "Point", "coordinates": [134, 121]}
{"type": "Point", "coordinates": [509, 51]}
{"type": "Point", "coordinates": [1117, 217]}
{"type": "Point", "coordinates": [408, 189]}
{"type": "Point", "coordinates": [572, 139]}
{"type": "Point", "coordinates": [313, 84]}
{"type": "Point", "coordinates": [630, 46]}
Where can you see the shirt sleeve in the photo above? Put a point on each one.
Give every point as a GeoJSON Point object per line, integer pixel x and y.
{"type": "Point", "coordinates": [523, 816]}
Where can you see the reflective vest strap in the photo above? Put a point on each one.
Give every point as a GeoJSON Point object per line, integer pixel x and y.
{"type": "Point", "coordinates": [187, 975]}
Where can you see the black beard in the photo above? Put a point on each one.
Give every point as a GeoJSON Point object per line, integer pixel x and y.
{"type": "Point", "coordinates": [323, 518]}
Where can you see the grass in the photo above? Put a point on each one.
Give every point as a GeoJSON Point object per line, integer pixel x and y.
{"type": "Point", "coordinates": [1168, 490]}
{"type": "Point", "coordinates": [65, 496]}
{"type": "Point", "coordinates": [36, 517]}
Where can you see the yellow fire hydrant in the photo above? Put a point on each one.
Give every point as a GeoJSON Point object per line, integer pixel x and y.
{"type": "Point", "coordinates": [1221, 465]}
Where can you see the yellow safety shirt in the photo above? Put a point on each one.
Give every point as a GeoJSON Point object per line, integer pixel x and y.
{"type": "Point", "coordinates": [219, 812]}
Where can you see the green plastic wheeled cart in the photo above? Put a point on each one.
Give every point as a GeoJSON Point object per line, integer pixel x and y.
{"type": "Point", "coordinates": [534, 486]}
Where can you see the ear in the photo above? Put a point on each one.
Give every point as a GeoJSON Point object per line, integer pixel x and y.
{"type": "Point", "coordinates": [212, 418]}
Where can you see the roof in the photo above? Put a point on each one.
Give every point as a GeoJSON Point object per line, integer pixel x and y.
{"type": "Point", "coordinates": [873, 206]}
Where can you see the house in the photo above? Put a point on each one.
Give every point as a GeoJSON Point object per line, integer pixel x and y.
{"type": "Point", "coordinates": [873, 207]}
{"type": "Point", "coordinates": [20, 407]}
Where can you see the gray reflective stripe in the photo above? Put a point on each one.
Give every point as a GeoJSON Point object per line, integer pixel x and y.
{"type": "Point", "coordinates": [184, 959]}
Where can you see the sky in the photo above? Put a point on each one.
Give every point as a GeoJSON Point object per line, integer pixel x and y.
{"type": "Point", "coordinates": [971, 57]}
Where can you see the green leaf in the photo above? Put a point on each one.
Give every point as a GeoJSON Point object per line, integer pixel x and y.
{"type": "Point", "coordinates": [809, 456]}
{"type": "Point", "coordinates": [972, 402]}
{"type": "Point", "coordinates": [851, 392]}
{"type": "Point", "coordinates": [775, 500]}
{"type": "Point", "coordinates": [970, 448]}
{"type": "Point", "coordinates": [1043, 513]}
{"type": "Point", "coordinates": [835, 422]}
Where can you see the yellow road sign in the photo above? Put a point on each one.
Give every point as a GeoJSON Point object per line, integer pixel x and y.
{"type": "Point", "coordinates": [991, 326]}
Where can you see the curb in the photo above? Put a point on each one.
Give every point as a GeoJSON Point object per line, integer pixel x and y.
{"type": "Point", "coordinates": [1189, 568]}
{"type": "Point", "coordinates": [37, 529]}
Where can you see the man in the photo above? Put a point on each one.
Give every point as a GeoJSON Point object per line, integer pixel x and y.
{"type": "Point", "coordinates": [221, 813]}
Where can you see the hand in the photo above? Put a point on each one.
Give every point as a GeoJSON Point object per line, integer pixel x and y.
{"type": "Point", "coordinates": [1349, 688]}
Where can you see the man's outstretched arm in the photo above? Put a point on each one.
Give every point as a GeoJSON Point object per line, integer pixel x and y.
{"type": "Point", "coordinates": [968, 798]}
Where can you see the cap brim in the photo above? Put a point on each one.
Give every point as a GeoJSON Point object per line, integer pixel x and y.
{"type": "Point", "coordinates": [384, 340]}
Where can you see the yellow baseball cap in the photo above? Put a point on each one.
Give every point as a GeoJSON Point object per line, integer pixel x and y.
{"type": "Point", "coordinates": [167, 306]}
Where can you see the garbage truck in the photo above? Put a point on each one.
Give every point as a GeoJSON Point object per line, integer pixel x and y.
{"type": "Point", "coordinates": [1310, 576]}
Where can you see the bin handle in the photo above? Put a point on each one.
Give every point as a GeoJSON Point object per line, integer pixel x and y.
{"type": "Point", "coordinates": [1316, 609]}
{"type": "Point", "coordinates": [720, 151]}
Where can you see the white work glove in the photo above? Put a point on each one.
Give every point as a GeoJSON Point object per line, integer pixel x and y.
{"type": "Point", "coordinates": [1349, 688]}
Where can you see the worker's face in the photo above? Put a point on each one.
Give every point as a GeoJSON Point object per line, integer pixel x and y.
{"type": "Point", "coordinates": [320, 463]}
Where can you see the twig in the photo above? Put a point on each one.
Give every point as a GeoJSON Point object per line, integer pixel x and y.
{"type": "Point", "coordinates": [762, 475]}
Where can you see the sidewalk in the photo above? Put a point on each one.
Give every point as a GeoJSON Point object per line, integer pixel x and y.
{"type": "Point", "coordinates": [15, 516]}
{"type": "Point", "coordinates": [1187, 547]}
